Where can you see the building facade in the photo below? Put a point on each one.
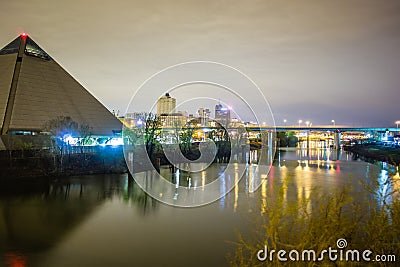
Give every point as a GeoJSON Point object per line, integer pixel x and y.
{"type": "Point", "coordinates": [35, 89]}
{"type": "Point", "coordinates": [166, 105]}
{"type": "Point", "coordinates": [204, 115]}
{"type": "Point", "coordinates": [222, 115]}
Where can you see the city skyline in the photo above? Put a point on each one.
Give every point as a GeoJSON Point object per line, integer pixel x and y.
{"type": "Point", "coordinates": [314, 61]}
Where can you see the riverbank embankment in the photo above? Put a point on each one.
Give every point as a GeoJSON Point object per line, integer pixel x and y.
{"type": "Point", "coordinates": [378, 152]}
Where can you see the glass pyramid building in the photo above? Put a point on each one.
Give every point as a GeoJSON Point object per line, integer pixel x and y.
{"type": "Point", "coordinates": [34, 89]}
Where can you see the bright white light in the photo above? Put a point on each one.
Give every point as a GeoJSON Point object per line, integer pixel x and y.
{"type": "Point", "coordinates": [70, 140]}
{"type": "Point", "coordinates": [116, 142]}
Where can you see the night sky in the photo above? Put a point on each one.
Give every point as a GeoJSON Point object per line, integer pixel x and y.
{"type": "Point", "coordinates": [313, 60]}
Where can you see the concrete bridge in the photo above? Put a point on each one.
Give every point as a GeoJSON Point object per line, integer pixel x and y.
{"type": "Point", "coordinates": [336, 129]}
{"type": "Point", "coordinates": [331, 128]}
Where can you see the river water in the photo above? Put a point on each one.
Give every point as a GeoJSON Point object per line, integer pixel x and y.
{"type": "Point", "coordinates": [107, 220]}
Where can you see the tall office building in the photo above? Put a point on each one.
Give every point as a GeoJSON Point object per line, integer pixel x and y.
{"type": "Point", "coordinates": [169, 116]}
{"type": "Point", "coordinates": [204, 115]}
{"type": "Point", "coordinates": [166, 105]}
{"type": "Point", "coordinates": [222, 115]}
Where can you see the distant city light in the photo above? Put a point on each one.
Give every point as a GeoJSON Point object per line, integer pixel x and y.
{"type": "Point", "coordinates": [397, 124]}
{"type": "Point", "coordinates": [333, 122]}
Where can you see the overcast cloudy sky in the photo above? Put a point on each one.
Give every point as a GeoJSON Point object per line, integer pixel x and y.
{"type": "Point", "coordinates": [314, 60]}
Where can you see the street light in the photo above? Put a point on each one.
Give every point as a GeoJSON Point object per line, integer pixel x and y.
{"type": "Point", "coordinates": [300, 121]}
{"type": "Point", "coordinates": [397, 124]}
{"type": "Point", "coordinates": [333, 122]}
{"type": "Point", "coordinates": [284, 121]}
{"type": "Point", "coordinates": [307, 123]}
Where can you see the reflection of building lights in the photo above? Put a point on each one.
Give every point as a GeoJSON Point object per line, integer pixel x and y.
{"type": "Point", "coordinates": [397, 176]}
{"type": "Point", "coordinates": [15, 260]}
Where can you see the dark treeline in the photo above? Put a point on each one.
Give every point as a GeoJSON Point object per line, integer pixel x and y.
{"type": "Point", "coordinates": [75, 161]}
{"type": "Point", "coordinates": [286, 139]}
{"type": "Point", "coordinates": [377, 152]}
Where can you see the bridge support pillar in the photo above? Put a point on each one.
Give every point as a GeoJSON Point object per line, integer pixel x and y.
{"type": "Point", "coordinates": [270, 139]}
{"type": "Point", "coordinates": [336, 139]}
{"type": "Point", "coordinates": [271, 146]}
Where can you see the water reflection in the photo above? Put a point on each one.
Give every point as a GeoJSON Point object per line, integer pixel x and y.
{"type": "Point", "coordinates": [322, 154]}
{"type": "Point", "coordinates": [15, 260]}
{"type": "Point", "coordinates": [109, 221]}
{"type": "Point", "coordinates": [37, 220]}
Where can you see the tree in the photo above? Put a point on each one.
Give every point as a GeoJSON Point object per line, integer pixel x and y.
{"type": "Point", "coordinates": [287, 139]}
{"type": "Point", "coordinates": [150, 134]}
{"type": "Point", "coordinates": [177, 131]}
{"type": "Point", "coordinates": [186, 139]}
{"type": "Point", "coordinates": [61, 126]}
{"type": "Point", "coordinates": [60, 129]}
{"type": "Point", "coordinates": [85, 133]}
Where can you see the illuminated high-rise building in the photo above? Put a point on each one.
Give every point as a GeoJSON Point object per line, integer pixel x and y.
{"type": "Point", "coordinates": [166, 105]}
{"type": "Point", "coordinates": [204, 115]}
{"type": "Point", "coordinates": [169, 117]}
{"type": "Point", "coordinates": [222, 115]}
